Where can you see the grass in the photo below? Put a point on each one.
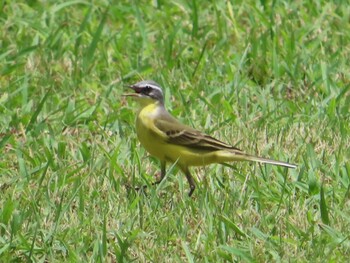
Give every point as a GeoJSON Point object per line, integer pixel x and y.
{"type": "Point", "coordinates": [271, 77]}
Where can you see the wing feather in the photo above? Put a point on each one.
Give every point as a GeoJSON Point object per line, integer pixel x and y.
{"type": "Point", "coordinates": [181, 134]}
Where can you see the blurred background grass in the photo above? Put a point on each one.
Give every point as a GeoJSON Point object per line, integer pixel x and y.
{"type": "Point", "coordinates": [271, 77]}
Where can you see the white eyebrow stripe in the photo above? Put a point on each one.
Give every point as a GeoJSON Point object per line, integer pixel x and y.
{"type": "Point", "coordinates": [153, 87]}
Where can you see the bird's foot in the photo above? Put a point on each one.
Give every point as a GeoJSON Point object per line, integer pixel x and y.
{"type": "Point", "coordinates": [137, 188]}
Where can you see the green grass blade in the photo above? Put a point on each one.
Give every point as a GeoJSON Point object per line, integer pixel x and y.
{"type": "Point", "coordinates": [188, 254]}
{"type": "Point", "coordinates": [90, 53]}
{"type": "Point", "coordinates": [323, 207]}
{"type": "Point", "coordinates": [36, 113]}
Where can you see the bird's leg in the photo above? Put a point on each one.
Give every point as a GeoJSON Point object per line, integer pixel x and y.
{"type": "Point", "coordinates": [162, 172]}
{"type": "Point", "coordinates": [190, 181]}
{"type": "Point", "coordinates": [162, 175]}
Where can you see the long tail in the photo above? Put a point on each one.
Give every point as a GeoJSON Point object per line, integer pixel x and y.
{"type": "Point", "coordinates": [228, 156]}
{"type": "Point", "coordinates": [269, 161]}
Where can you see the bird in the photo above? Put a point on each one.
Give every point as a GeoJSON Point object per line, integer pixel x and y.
{"type": "Point", "coordinates": [170, 141]}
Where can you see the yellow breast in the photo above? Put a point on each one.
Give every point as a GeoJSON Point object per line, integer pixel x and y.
{"type": "Point", "coordinates": [148, 134]}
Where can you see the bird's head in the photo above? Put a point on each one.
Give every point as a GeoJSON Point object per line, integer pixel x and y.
{"type": "Point", "coordinates": [147, 92]}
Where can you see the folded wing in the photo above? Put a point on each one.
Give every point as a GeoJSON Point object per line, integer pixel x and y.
{"type": "Point", "coordinates": [181, 134]}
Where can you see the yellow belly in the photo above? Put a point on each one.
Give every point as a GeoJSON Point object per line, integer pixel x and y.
{"type": "Point", "coordinates": [182, 156]}
{"type": "Point", "coordinates": [151, 142]}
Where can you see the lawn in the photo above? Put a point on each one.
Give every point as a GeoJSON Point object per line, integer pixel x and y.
{"type": "Point", "coordinates": [269, 77]}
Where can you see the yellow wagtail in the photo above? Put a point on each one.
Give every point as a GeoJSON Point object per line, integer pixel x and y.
{"type": "Point", "coordinates": [171, 141]}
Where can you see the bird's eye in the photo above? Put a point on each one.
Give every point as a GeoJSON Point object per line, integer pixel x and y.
{"type": "Point", "coordinates": [147, 89]}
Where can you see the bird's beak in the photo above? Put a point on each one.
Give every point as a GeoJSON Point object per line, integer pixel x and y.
{"type": "Point", "coordinates": [134, 88]}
